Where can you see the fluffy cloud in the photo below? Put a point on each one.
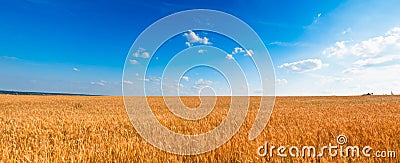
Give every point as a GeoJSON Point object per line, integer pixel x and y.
{"type": "Point", "coordinates": [339, 49]}
{"type": "Point", "coordinates": [200, 84]}
{"type": "Point", "coordinates": [376, 64]}
{"type": "Point", "coordinates": [145, 55]}
{"type": "Point", "coordinates": [134, 62]}
{"type": "Point", "coordinates": [281, 81]}
{"type": "Point", "coordinates": [249, 53]}
{"type": "Point", "coordinates": [367, 48]}
{"type": "Point", "coordinates": [376, 60]}
{"type": "Point", "coordinates": [304, 65]}
{"type": "Point", "coordinates": [185, 78]}
{"type": "Point", "coordinates": [230, 57]}
{"type": "Point", "coordinates": [141, 52]}
{"type": "Point", "coordinates": [237, 50]}
{"type": "Point", "coordinates": [194, 38]}
{"type": "Point", "coordinates": [75, 69]}
{"type": "Point", "coordinates": [202, 81]}
{"type": "Point", "coordinates": [379, 80]}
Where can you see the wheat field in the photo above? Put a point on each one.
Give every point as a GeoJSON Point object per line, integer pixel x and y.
{"type": "Point", "coordinates": [97, 129]}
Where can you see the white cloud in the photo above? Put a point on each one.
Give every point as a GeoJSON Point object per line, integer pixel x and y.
{"type": "Point", "coordinates": [144, 79]}
{"type": "Point", "coordinates": [75, 69]}
{"type": "Point", "coordinates": [376, 60]}
{"type": "Point", "coordinates": [378, 80]}
{"type": "Point", "coordinates": [237, 50]}
{"type": "Point", "coordinates": [376, 63]}
{"type": "Point", "coordinates": [194, 38]}
{"type": "Point", "coordinates": [137, 53]}
{"type": "Point", "coordinates": [145, 55]}
{"type": "Point", "coordinates": [202, 81]}
{"type": "Point", "coordinates": [249, 53]}
{"type": "Point", "coordinates": [134, 62]}
{"type": "Point", "coordinates": [281, 81]}
{"type": "Point", "coordinates": [201, 51]}
{"type": "Point", "coordinates": [128, 82]}
{"type": "Point", "coordinates": [304, 65]}
{"type": "Point", "coordinates": [141, 52]}
{"type": "Point", "coordinates": [349, 70]}
{"type": "Point", "coordinates": [339, 49]}
{"type": "Point", "coordinates": [230, 57]}
{"type": "Point", "coordinates": [101, 82]}
{"type": "Point", "coordinates": [316, 19]}
{"type": "Point", "coordinates": [155, 79]}
{"type": "Point", "coordinates": [186, 78]}
{"type": "Point", "coordinates": [152, 79]}
{"type": "Point", "coordinates": [367, 48]}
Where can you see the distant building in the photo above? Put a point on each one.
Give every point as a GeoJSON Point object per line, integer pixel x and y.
{"type": "Point", "coordinates": [368, 94]}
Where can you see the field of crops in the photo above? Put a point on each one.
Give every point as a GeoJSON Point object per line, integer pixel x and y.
{"type": "Point", "coordinates": [97, 129]}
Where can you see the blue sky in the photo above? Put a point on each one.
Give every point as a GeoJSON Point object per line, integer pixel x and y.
{"type": "Point", "coordinates": [317, 47]}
